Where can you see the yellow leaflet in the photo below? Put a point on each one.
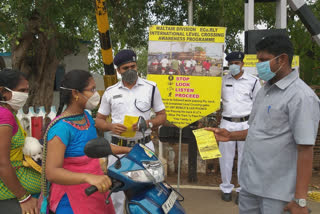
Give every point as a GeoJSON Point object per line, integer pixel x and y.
{"type": "Point", "coordinates": [128, 122]}
{"type": "Point", "coordinates": [207, 144]}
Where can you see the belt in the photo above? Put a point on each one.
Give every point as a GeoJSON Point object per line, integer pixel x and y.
{"type": "Point", "coordinates": [130, 143]}
{"type": "Point", "coordinates": [237, 119]}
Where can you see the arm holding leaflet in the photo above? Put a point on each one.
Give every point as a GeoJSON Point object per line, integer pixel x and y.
{"type": "Point", "coordinates": [224, 135]}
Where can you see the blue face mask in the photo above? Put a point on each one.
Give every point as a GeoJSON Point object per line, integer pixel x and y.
{"type": "Point", "coordinates": [234, 69]}
{"type": "Point", "coordinates": [264, 70]}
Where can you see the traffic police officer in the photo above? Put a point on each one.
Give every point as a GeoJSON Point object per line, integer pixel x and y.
{"type": "Point", "coordinates": [238, 93]}
{"type": "Point", "coordinates": [131, 96]}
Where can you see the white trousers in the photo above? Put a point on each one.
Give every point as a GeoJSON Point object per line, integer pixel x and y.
{"type": "Point", "coordinates": [227, 150]}
{"type": "Point", "coordinates": [118, 198]}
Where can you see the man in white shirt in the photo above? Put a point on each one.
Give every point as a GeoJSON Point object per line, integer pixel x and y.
{"type": "Point", "coordinates": [131, 96]}
{"type": "Point", "coordinates": [238, 93]}
{"type": "Point", "coordinates": [164, 63]}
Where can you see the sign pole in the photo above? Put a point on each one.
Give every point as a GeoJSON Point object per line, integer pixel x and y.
{"type": "Point", "coordinates": [179, 161]}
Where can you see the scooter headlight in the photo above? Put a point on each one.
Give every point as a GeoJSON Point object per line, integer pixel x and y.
{"type": "Point", "coordinates": [139, 176]}
{"type": "Point", "coordinates": [155, 168]}
{"type": "Point", "coordinates": [153, 172]}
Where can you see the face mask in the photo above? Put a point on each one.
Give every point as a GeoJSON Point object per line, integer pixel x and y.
{"type": "Point", "coordinates": [234, 69]}
{"type": "Point", "coordinates": [130, 76]}
{"type": "Point", "coordinates": [264, 70]}
{"type": "Point", "coordinates": [93, 101]}
{"type": "Point", "coordinates": [18, 99]}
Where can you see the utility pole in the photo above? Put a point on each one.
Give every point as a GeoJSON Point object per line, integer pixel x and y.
{"type": "Point", "coordinates": [190, 12]}
{"type": "Point", "coordinates": [192, 144]}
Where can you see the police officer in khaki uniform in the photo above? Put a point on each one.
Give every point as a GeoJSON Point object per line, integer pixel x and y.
{"type": "Point", "coordinates": [131, 96]}
{"type": "Point", "coordinates": [238, 93]}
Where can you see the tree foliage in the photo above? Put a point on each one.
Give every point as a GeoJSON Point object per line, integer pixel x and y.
{"type": "Point", "coordinates": [39, 34]}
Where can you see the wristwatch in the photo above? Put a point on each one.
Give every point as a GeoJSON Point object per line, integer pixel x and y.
{"type": "Point", "coordinates": [150, 124]}
{"type": "Point", "coordinates": [301, 202]}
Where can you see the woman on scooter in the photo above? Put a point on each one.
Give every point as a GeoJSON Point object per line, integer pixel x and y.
{"type": "Point", "coordinates": [17, 182]}
{"type": "Point", "coordinates": [65, 165]}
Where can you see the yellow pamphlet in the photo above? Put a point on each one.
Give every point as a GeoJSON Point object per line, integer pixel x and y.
{"type": "Point", "coordinates": [128, 122]}
{"type": "Point", "coordinates": [207, 144]}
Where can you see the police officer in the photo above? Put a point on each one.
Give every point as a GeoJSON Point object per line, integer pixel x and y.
{"type": "Point", "coordinates": [131, 96]}
{"type": "Point", "coordinates": [238, 92]}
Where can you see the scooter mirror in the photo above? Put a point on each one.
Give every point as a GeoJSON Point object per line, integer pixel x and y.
{"type": "Point", "coordinates": [142, 125]}
{"type": "Point", "coordinates": [98, 148]}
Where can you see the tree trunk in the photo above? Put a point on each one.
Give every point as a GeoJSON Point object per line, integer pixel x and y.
{"type": "Point", "coordinates": [2, 63]}
{"type": "Point", "coordinates": [37, 58]}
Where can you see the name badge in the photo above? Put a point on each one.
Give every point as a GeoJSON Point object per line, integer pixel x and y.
{"type": "Point", "coordinates": [228, 85]}
{"type": "Point", "coordinates": [117, 96]}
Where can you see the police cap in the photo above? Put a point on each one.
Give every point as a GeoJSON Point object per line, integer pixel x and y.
{"type": "Point", "coordinates": [124, 56]}
{"type": "Point", "coordinates": [235, 56]}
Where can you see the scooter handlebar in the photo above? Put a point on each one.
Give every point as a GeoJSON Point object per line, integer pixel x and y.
{"type": "Point", "coordinates": [90, 190]}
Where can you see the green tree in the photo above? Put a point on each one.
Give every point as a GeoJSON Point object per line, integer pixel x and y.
{"type": "Point", "coordinates": [39, 34]}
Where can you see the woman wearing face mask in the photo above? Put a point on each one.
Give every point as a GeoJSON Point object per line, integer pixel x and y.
{"type": "Point", "coordinates": [17, 182]}
{"type": "Point", "coordinates": [65, 165]}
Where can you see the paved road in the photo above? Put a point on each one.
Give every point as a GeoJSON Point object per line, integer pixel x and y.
{"type": "Point", "coordinates": [206, 201]}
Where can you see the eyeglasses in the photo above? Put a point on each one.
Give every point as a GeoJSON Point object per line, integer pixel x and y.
{"type": "Point", "coordinates": [92, 90]}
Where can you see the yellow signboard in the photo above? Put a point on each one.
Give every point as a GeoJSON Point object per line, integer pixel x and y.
{"type": "Point", "coordinates": [188, 98]}
{"type": "Point", "coordinates": [250, 60]}
{"type": "Point", "coordinates": [171, 33]}
{"type": "Point", "coordinates": [186, 62]}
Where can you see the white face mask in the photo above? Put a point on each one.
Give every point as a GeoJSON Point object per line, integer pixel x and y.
{"type": "Point", "coordinates": [93, 101]}
{"type": "Point", "coordinates": [18, 99]}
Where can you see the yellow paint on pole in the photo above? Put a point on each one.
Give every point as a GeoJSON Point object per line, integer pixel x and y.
{"type": "Point", "coordinates": [102, 16]}
{"type": "Point", "coordinates": [107, 56]}
{"type": "Point", "coordinates": [110, 80]}
{"type": "Point", "coordinates": [110, 77]}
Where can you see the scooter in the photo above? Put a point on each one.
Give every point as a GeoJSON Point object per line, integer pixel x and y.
{"type": "Point", "coordinates": [140, 175]}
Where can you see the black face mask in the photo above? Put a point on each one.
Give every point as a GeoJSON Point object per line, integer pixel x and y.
{"type": "Point", "coordinates": [130, 76]}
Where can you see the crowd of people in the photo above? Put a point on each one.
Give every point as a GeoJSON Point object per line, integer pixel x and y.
{"type": "Point", "coordinates": [179, 66]}
{"type": "Point", "coordinates": [273, 126]}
